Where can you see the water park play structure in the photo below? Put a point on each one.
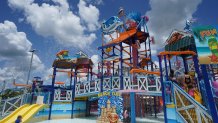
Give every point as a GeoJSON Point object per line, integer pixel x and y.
{"type": "Point", "coordinates": [184, 86]}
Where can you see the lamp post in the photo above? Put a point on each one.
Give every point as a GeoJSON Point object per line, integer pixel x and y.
{"type": "Point", "coordinates": [32, 51]}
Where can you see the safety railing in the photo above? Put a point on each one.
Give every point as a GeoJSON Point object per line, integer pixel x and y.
{"type": "Point", "coordinates": [147, 83]}
{"type": "Point", "coordinates": [9, 105]}
{"type": "Point", "coordinates": [187, 107]}
{"type": "Point", "coordinates": [150, 84]}
{"type": "Point", "coordinates": [62, 95]}
{"type": "Point", "coordinates": [87, 87]}
{"type": "Point", "coordinates": [169, 92]}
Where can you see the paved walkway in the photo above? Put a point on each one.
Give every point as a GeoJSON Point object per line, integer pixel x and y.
{"type": "Point", "coordinates": [91, 120]}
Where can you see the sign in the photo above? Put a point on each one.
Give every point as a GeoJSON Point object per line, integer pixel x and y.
{"type": "Point", "coordinates": [109, 93]}
{"type": "Point", "coordinates": [115, 99]}
{"type": "Point", "coordinates": [206, 40]}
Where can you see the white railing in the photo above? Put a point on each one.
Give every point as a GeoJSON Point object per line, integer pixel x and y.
{"type": "Point", "coordinates": [88, 87]}
{"type": "Point", "coordinates": [107, 84]}
{"type": "Point", "coordinates": [62, 95]}
{"type": "Point", "coordinates": [149, 84]}
{"type": "Point", "coordinates": [127, 83]}
{"type": "Point", "coordinates": [115, 83]}
{"type": "Point", "coordinates": [11, 104]}
{"type": "Point", "coordinates": [189, 108]}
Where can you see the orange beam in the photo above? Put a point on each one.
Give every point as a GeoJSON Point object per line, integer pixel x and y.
{"type": "Point", "coordinates": [144, 71]}
{"type": "Point", "coordinates": [123, 37]}
{"type": "Point", "coordinates": [144, 50]}
{"type": "Point", "coordinates": [127, 63]}
{"type": "Point", "coordinates": [59, 83]}
{"type": "Point", "coordinates": [21, 85]}
{"type": "Point", "coordinates": [123, 50]}
{"type": "Point", "coordinates": [125, 46]}
{"type": "Point", "coordinates": [64, 71]}
{"type": "Point", "coordinates": [177, 53]}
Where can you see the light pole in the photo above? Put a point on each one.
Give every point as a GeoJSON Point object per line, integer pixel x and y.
{"type": "Point", "coordinates": [32, 51]}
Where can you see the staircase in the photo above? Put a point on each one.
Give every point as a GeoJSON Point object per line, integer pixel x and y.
{"type": "Point", "coordinates": [188, 108]}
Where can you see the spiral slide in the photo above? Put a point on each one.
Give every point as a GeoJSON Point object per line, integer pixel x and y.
{"type": "Point", "coordinates": [26, 111]}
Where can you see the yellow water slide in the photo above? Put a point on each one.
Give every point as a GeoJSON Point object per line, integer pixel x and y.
{"type": "Point", "coordinates": [26, 111]}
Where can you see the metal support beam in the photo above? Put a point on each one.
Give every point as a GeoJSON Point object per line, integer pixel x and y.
{"type": "Point", "coordinates": [73, 92]}
{"type": "Point", "coordinates": [170, 64]}
{"type": "Point", "coordinates": [91, 74]}
{"type": "Point", "coordinates": [132, 105]}
{"type": "Point", "coordinates": [71, 72]}
{"type": "Point", "coordinates": [166, 69]}
{"type": "Point", "coordinates": [102, 67]}
{"type": "Point", "coordinates": [185, 64]}
{"type": "Point", "coordinates": [88, 74]}
{"type": "Point", "coordinates": [163, 92]}
{"type": "Point", "coordinates": [52, 93]}
{"type": "Point", "coordinates": [121, 66]}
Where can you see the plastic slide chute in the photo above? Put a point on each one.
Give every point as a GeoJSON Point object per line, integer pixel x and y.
{"type": "Point", "coordinates": [26, 111]}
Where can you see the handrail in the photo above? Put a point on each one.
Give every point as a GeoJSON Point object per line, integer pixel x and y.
{"type": "Point", "coordinates": [190, 98]}
{"type": "Point", "coordinates": [200, 111]}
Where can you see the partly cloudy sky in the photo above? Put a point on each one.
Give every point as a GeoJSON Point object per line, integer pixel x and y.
{"type": "Point", "coordinates": [51, 25]}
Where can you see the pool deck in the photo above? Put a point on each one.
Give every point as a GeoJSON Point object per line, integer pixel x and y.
{"type": "Point", "coordinates": [149, 119]}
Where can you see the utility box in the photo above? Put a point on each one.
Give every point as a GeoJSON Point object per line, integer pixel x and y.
{"type": "Point", "coordinates": [39, 100]}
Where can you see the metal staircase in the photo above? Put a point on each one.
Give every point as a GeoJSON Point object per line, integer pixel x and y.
{"type": "Point", "coordinates": [187, 108]}
{"type": "Point", "coordinates": [191, 110]}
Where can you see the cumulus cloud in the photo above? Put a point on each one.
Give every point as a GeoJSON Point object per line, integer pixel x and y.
{"type": "Point", "coordinates": [90, 14]}
{"type": "Point", "coordinates": [59, 22]}
{"type": "Point", "coordinates": [95, 2]}
{"type": "Point", "coordinates": [95, 59]}
{"type": "Point", "coordinates": [166, 15]}
{"type": "Point", "coordinates": [14, 53]}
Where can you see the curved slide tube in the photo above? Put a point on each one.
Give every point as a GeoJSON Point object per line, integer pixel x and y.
{"type": "Point", "coordinates": [26, 111]}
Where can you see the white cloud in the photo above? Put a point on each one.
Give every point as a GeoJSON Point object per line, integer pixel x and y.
{"type": "Point", "coordinates": [95, 59]}
{"type": "Point", "coordinates": [57, 21]}
{"type": "Point", "coordinates": [166, 15]}
{"type": "Point", "coordinates": [90, 14]}
{"type": "Point", "coordinates": [95, 2]}
{"type": "Point", "coordinates": [14, 53]}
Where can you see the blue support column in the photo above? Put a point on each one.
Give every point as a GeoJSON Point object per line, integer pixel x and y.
{"type": "Point", "coordinates": [91, 74]}
{"type": "Point", "coordinates": [162, 86]}
{"type": "Point", "coordinates": [33, 89]}
{"type": "Point", "coordinates": [102, 66]}
{"type": "Point", "coordinates": [170, 64]}
{"type": "Point", "coordinates": [209, 94]}
{"type": "Point", "coordinates": [132, 105]}
{"type": "Point", "coordinates": [52, 93]}
{"type": "Point", "coordinates": [166, 69]}
{"type": "Point", "coordinates": [152, 69]}
{"type": "Point", "coordinates": [88, 74]}
{"type": "Point", "coordinates": [113, 68]}
{"type": "Point", "coordinates": [121, 66]}
{"type": "Point", "coordinates": [185, 64]}
{"type": "Point", "coordinates": [113, 61]}
{"type": "Point", "coordinates": [71, 71]}
{"type": "Point", "coordinates": [195, 60]}
{"type": "Point", "coordinates": [73, 92]}
{"type": "Point", "coordinates": [130, 51]}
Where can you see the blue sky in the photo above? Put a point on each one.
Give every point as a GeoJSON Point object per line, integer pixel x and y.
{"type": "Point", "coordinates": [77, 27]}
